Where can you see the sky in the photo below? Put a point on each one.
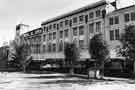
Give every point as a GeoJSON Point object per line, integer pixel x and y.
{"type": "Point", "coordinates": [33, 12]}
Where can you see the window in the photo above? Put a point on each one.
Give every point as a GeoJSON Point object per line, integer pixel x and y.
{"type": "Point", "coordinates": [75, 31]}
{"type": "Point", "coordinates": [49, 47]}
{"type": "Point", "coordinates": [75, 20]}
{"type": "Point", "coordinates": [61, 24]}
{"type": "Point", "coordinates": [61, 46]}
{"type": "Point", "coordinates": [117, 36]}
{"type": "Point", "coordinates": [50, 36]}
{"type": "Point", "coordinates": [112, 35]}
{"type": "Point", "coordinates": [81, 30]}
{"type": "Point", "coordinates": [44, 48]}
{"type": "Point", "coordinates": [50, 27]}
{"type": "Point", "coordinates": [111, 21]}
{"type": "Point", "coordinates": [91, 15]}
{"type": "Point", "coordinates": [54, 35]}
{"type": "Point", "coordinates": [126, 17]}
{"type": "Point", "coordinates": [54, 26]}
{"type": "Point", "coordinates": [98, 26]}
{"type": "Point", "coordinates": [66, 33]}
{"type": "Point", "coordinates": [98, 13]}
{"type": "Point", "coordinates": [81, 18]}
{"type": "Point", "coordinates": [75, 41]}
{"type": "Point", "coordinates": [44, 29]}
{"type": "Point", "coordinates": [47, 29]}
{"type": "Point", "coordinates": [116, 18]}
{"type": "Point", "coordinates": [44, 37]}
{"type": "Point", "coordinates": [54, 47]}
{"type": "Point", "coordinates": [61, 34]}
{"type": "Point", "coordinates": [57, 26]}
{"type": "Point", "coordinates": [66, 22]}
{"type": "Point", "coordinates": [91, 27]}
{"type": "Point", "coordinates": [132, 16]}
{"type": "Point", "coordinates": [81, 44]}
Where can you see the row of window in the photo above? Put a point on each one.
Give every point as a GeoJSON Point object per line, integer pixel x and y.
{"type": "Point", "coordinates": [81, 30]}
{"type": "Point", "coordinates": [76, 30]}
{"type": "Point", "coordinates": [65, 33]}
{"type": "Point", "coordinates": [52, 47]}
{"type": "Point", "coordinates": [114, 20]}
{"type": "Point", "coordinates": [36, 39]}
{"type": "Point", "coordinates": [76, 19]}
{"type": "Point", "coordinates": [97, 25]}
{"type": "Point", "coordinates": [127, 17]}
{"type": "Point", "coordinates": [36, 48]}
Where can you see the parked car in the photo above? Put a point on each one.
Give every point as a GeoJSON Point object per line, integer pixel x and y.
{"type": "Point", "coordinates": [115, 66]}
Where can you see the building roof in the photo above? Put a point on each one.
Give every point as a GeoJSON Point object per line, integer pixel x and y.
{"type": "Point", "coordinates": [85, 8]}
{"type": "Point", "coordinates": [122, 9]}
{"type": "Point", "coordinates": [33, 32]}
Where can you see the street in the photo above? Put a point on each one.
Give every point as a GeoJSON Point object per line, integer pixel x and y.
{"type": "Point", "coordinates": [56, 81]}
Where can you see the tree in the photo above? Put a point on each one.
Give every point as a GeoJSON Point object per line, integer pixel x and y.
{"type": "Point", "coordinates": [98, 50]}
{"type": "Point", "coordinates": [71, 55]}
{"type": "Point", "coordinates": [128, 42]}
{"type": "Point", "coordinates": [19, 53]}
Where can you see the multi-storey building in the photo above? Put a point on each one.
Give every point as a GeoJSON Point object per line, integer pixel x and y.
{"type": "Point", "coordinates": [34, 38]}
{"type": "Point", "coordinates": [115, 24]}
{"type": "Point", "coordinates": [78, 27]}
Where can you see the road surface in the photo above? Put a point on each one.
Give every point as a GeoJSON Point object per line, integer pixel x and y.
{"type": "Point", "coordinates": [56, 81]}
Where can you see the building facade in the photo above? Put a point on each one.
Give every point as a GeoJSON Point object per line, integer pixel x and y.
{"type": "Point", "coordinates": [78, 27]}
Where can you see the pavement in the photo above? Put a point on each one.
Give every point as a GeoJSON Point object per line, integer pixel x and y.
{"type": "Point", "coordinates": [58, 81]}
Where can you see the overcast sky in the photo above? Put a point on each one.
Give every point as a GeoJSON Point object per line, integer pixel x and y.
{"type": "Point", "coordinates": [32, 12]}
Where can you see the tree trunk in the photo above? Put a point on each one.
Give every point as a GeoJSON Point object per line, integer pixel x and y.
{"type": "Point", "coordinates": [102, 69]}
{"type": "Point", "coordinates": [72, 68]}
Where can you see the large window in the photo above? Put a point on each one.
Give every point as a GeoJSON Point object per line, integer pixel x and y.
{"type": "Point", "coordinates": [132, 16]}
{"type": "Point", "coordinates": [61, 24]}
{"type": "Point", "coordinates": [81, 44]}
{"type": "Point", "coordinates": [81, 30]}
{"type": "Point", "coordinates": [116, 18]}
{"type": "Point", "coordinates": [44, 48]}
{"type": "Point", "coordinates": [61, 46]}
{"type": "Point", "coordinates": [54, 35]}
{"type": "Point", "coordinates": [75, 31]}
{"type": "Point", "coordinates": [44, 38]}
{"type": "Point", "coordinates": [111, 20]}
{"type": "Point", "coordinates": [117, 35]}
{"type": "Point", "coordinates": [98, 26]}
{"type": "Point", "coordinates": [91, 15]}
{"type": "Point", "coordinates": [75, 41]}
{"type": "Point", "coordinates": [91, 27]}
{"type": "Point", "coordinates": [54, 26]}
{"type": "Point", "coordinates": [81, 18]}
{"type": "Point", "coordinates": [66, 22]}
{"type": "Point", "coordinates": [49, 47]}
{"type": "Point", "coordinates": [66, 33]}
{"type": "Point", "coordinates": [126, 17]}
{"type": "Point", "coordinates": [54, 47]}
{"type": "Point", "coordinates": [50, 27]}
{"type": "Point", "coordinates": [50, 36]}
{"type": "Point", "coordinates": [98, 13]}
{"type": "Point", "coordinates": [61, 34]}
{"type": "Point", "coordinates": [57, 26]}
{"type": "Point", "coordinates": [112, 35]}
{"type": "Point", "coordinates": [75, 20]}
